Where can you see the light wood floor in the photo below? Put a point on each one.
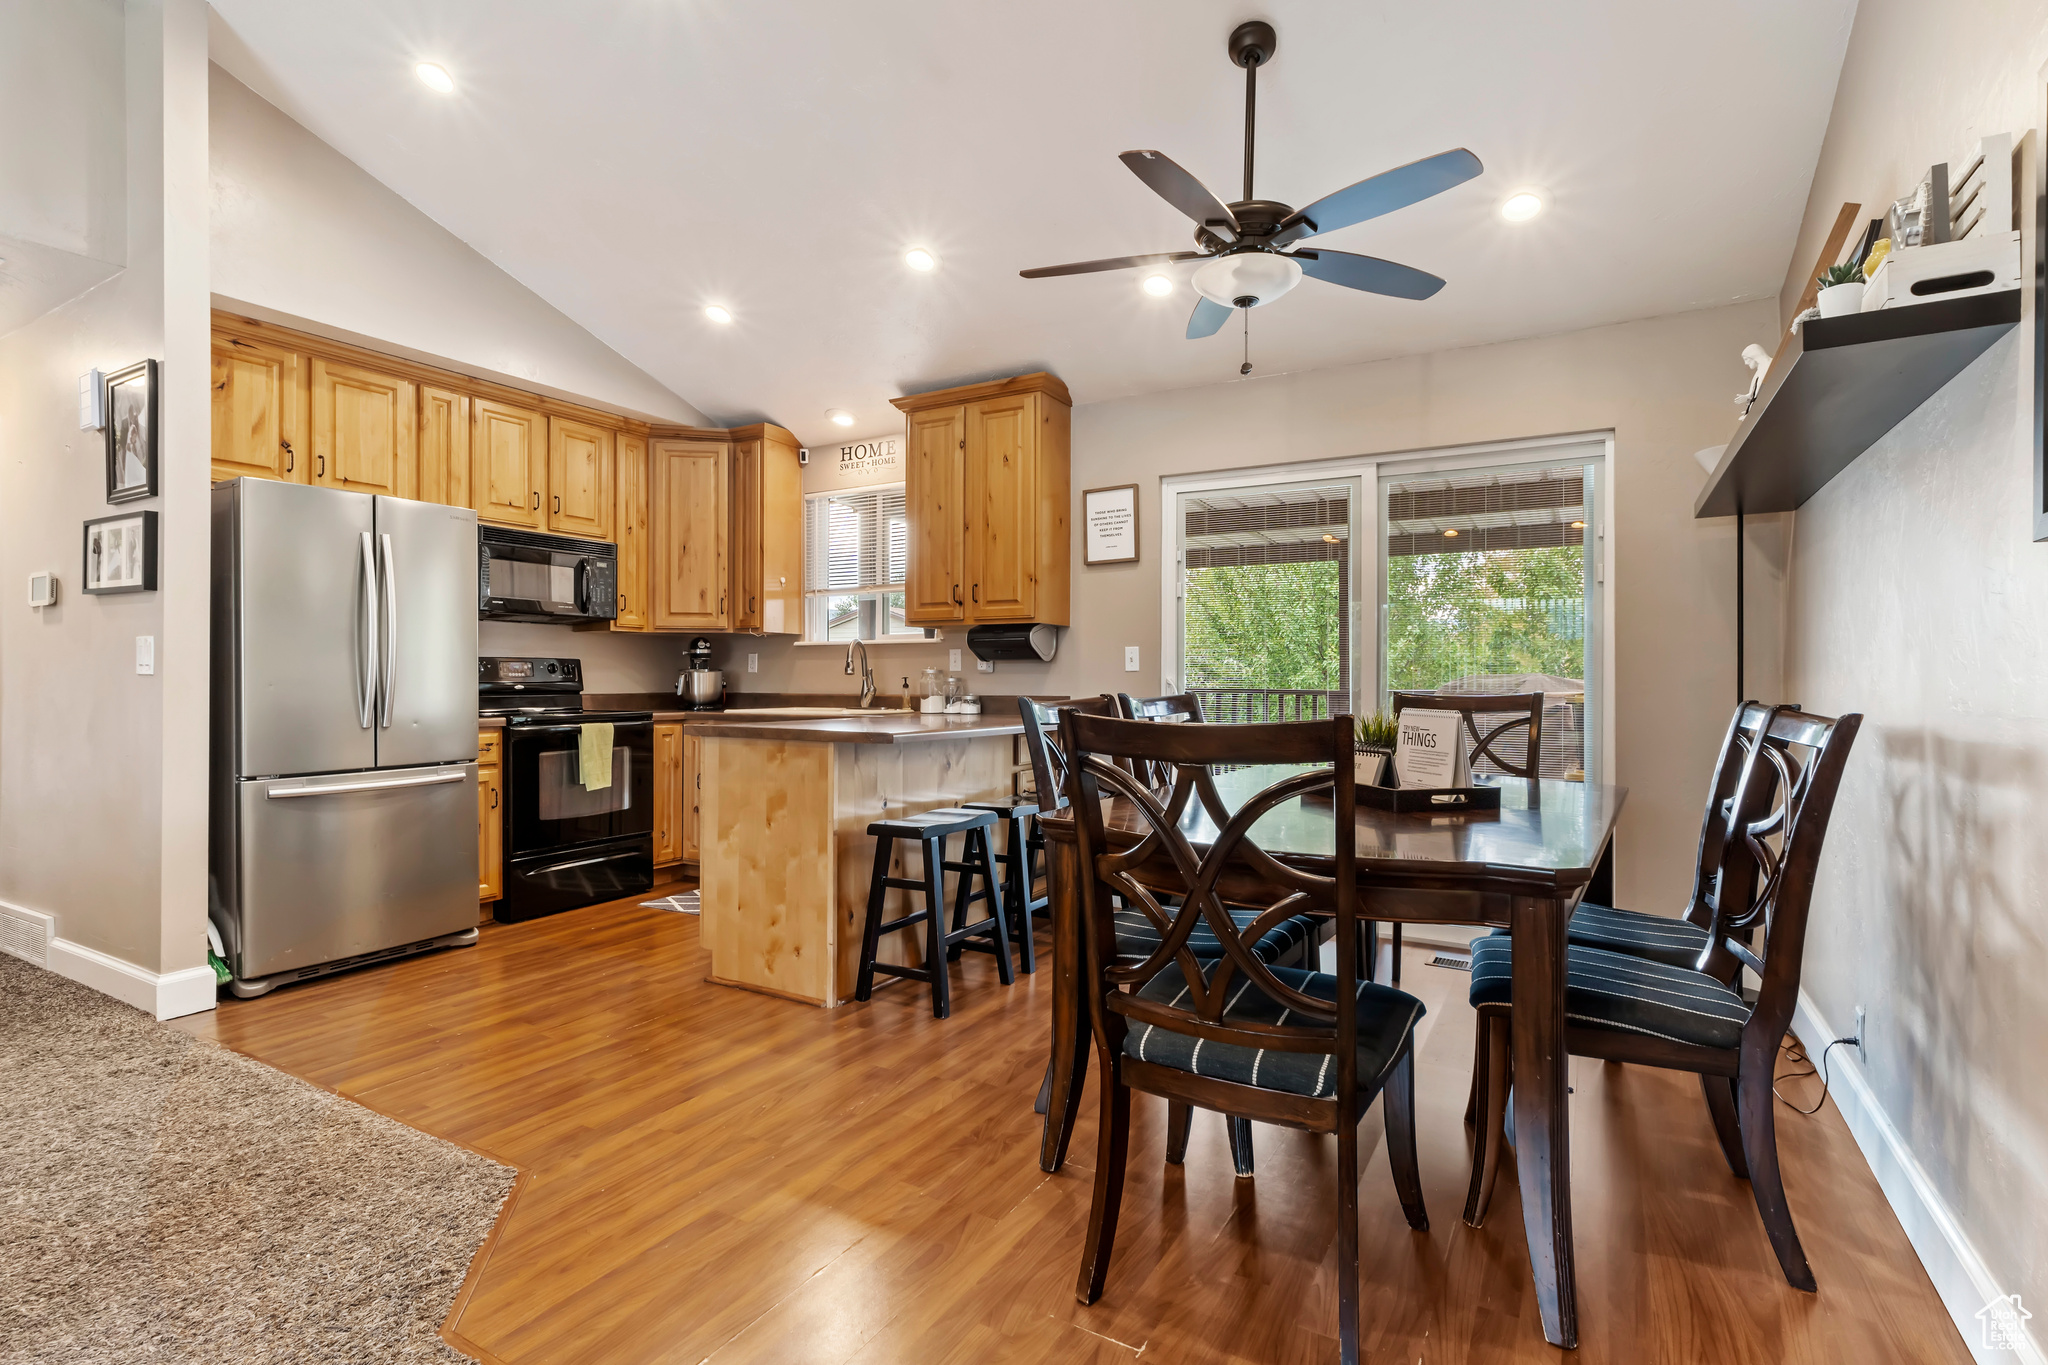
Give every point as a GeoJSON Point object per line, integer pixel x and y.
{"type": "Point", "coordinates": [715, 1176]}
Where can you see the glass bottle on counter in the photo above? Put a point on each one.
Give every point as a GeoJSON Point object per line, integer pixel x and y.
{"type": "Point", "coordinates": [931, 694]}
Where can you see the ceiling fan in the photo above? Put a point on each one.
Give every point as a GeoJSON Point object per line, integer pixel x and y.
{"type": "Point", "coordinates": [1243, 244]}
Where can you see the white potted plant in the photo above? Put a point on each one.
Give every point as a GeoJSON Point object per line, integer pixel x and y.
{"type": "Point", "coordinates": [1841, 290]}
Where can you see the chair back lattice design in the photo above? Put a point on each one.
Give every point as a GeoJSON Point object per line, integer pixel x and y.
{"type": "Point", "coordinates": [1167, 710]}
{"type": "Point", "coordinates": [1103, 787]}
{"type": "Point", "coordinates": [1041, 741]}
{"type": "Point", "coordinates": [1777, 821]}
{"type": "Point", "coordinates": [1523, 710]}
{"type": "Point", "coordinates": [1749, 718]}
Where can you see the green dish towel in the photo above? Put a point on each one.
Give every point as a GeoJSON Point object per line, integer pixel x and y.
{"type": "Point", "coordinates": [594, 756]}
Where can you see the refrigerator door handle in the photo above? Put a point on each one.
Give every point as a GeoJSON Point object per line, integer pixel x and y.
{"type": "Point", "coordinates": [390, 629]}
{"type": "Point", "coordinates": [368, 700]}
{"type": "Point", "coordinates": [337, 788]}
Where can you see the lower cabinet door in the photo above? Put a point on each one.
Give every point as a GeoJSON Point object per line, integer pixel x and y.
{"type": "Point", "coordinates": [693, 793]}
{"type": "Point", "coordinates": [668, 794]}
{"type": "Point", "coordinates": [490, 834]}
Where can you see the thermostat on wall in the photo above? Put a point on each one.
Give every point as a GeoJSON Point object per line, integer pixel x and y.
{"type": "Point", "coordinates": [92, 387]}
{"type": "Point", "coordinates": [42, 589]}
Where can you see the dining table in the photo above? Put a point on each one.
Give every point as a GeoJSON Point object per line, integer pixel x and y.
{"type": "Point", "coordinates": [1523, 867]}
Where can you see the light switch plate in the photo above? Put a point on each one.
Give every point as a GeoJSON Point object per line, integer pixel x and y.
{"type": "Point", "coordinates": [145, 654]}
{"type": "Point", "coordinates": [1130, 658]}
{"type": "Point", "coordinates": [753, 663]}
{"type": "Point", "coordinates": [952, 661]}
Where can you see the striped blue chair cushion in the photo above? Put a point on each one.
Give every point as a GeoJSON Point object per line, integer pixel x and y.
{"type": "Point", "coordinates": [1616, 991]}
{"type": "Point", "coordinates": [1135, 936]}
{"type": "Point", "coordinates": [1386, 1018]}
{"type": "Point", "coordinates": [1673, 941]}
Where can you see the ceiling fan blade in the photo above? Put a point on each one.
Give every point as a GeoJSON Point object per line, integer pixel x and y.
{"type": "Point", "coordinates": [1181, 190]}
{"type": "Point", "coordinates": [1369, 273]}
{"type": "Point", "coordinates": [1207, 319]}
{"type": "Point", "coordinates": [1110, 263]}
{"type": "Point", "coordinates": [1382, 193]}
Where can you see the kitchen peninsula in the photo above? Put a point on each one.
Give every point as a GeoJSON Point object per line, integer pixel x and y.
{"type": "Point", "coordinates": [785, 854]}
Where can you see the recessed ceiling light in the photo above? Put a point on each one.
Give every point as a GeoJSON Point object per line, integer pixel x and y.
{"type": "Point", "coordinates": [1158, 285]}
{"type": "Point", "coordinates": [716, 314]}
{"type": "Point", "coordinates": [840, 417]}
{"type": "Point", "coordinates": [1521, 206]}
{"type": "Point", "coordinates": [436, 75]}
{"type": "Point", "coordinates": [917, 258]}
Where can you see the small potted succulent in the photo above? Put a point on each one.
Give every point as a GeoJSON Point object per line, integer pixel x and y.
{"type": "Point", "coordinates": [1841, 290]}
{"type": "Point", "coordinates": [1373, 765]}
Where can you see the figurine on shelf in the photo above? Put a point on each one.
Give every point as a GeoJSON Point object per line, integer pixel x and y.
{"type": "Point", "coordinates": [1759, 362]}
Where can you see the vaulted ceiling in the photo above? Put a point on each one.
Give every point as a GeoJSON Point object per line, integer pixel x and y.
{"type": "Point", "coordinates": [635, 160]}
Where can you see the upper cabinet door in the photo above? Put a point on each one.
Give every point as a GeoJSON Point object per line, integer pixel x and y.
{"type": "Point", "coordinates": [630, 474]}
{"type": "Point", "coordinates": [745, 545]}
{"type": "Point", "coordinates": [508, 456]}
{"type": "Point", "coordinates": [365, 427]}
{"type": "Point", "coordinates": [259, 411]}
{"type": "Point", "coordinates": [1002, 509]}
{"type": "Point", "coordinates": [579, 479]}
{"type": "Point", "coordinates": [690, 526]}
{"type": "Point", "coordinates": [937, 514]}
{"type": "Point", "coordinates": [444, 446]}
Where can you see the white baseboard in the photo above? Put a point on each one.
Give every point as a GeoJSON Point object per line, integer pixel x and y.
{"type": "Point", "coordinates": [1960, 1276]}
{"type": "Point", "coordinates": [165, 996]}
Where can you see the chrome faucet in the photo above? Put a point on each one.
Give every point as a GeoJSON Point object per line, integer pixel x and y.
{"type": "Point", "coordinates": [867, 674]}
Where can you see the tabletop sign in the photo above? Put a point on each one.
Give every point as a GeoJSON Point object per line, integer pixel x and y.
{"type": "Point", "coordinates": [1110, 517]}
{"type": "Point", "coordinates": [1430, 750]}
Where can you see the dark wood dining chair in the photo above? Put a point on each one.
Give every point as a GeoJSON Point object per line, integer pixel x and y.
{"type": "Point", "coordinates": [1177, 709]}
{"type": "Point", "coordinates": [1523, 710]}
{"type": "Point", "coordinates": [1294, 941]}
{"type": "Point", "coordinates": [1637, 1009]}
{"type": "Point", "coordinates": [1304, 1049]}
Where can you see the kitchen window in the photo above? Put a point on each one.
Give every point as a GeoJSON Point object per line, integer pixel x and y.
{"type": "Point", "coordinates": [856, 557]}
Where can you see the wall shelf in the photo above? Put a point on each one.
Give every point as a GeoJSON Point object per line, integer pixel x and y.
{"type": "Point", "coordinates": [1838, 387]}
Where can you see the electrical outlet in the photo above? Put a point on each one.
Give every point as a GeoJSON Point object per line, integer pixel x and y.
{"type": "Point", "coordinates": [1130, 658]}
{"type": "Point", "coordinates": [753, 663]}
{"type": "Point", "coordinates": [952, 661]}
{"type": "Point", "coordinates": [984, 665]}
{"type": "Point", "coordinates": [145, 654]}
{"type": "Point", "coordinates": [1862, 1039]}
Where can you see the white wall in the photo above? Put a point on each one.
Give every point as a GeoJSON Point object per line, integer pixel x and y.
{"type": "Point", "coordinates": [1917, 596]}
{"type": "Point", "coordinates": [1662, 386]}
{"type": "Point", "coordinates": [103, 772]}
{"type": "Point", "coordinates": [302, 235]}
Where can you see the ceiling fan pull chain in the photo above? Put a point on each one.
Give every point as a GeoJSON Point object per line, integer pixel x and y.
{"type": "Point", "coordinates": [1246, 368]}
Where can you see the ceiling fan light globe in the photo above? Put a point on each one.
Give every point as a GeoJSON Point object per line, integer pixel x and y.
{"type": "Point", "coordinates": [1260, 276]}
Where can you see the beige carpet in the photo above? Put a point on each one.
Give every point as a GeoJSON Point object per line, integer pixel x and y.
{"type": "Point", "coordinates": [166, 1200]}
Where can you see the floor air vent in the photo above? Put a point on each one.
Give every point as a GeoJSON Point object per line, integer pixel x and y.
{"type": "Point", "coordinates": [25, 934]}
{"type": "Point", "coordinates": [1457, 962]}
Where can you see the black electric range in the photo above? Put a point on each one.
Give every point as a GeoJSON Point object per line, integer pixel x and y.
{"type": "Point", "coordinates": [567, 844]}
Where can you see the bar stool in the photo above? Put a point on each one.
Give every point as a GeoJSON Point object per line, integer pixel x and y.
{"type": "Point", "coordinates": [931, 829]}
{"type": "Point", "coordinates": [1019, 862]}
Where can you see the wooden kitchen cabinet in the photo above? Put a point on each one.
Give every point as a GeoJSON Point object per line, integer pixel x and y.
{"type": "Point", "coordinates": [579, 479]}
{"type": "Point", "coordinates": [986, 491]}
{"type": "Point", "coordinates": [669, 802]}
{"type": "Point", "coordinates": [691, 481]}
{"type": "Point", "coordinates": [490, 828]}
{"type": "Point", "coordinates": [444, 446]}
{"type": "Point", "coordinates": [766, 544]}
{"type": "Point", "coordinates": [365, 429]}
{"type": "Point", "coordinates": [693, 794]}
{"type": "Point", "coordinates": [508, 463]}
{"type": "Point", "coordinates": [630, 526]}
{"type": "Point", "coordinates": [259, 411]}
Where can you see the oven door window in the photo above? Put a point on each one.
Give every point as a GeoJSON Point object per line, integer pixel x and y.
{"type": "Point", "coordinates": [550, 808]}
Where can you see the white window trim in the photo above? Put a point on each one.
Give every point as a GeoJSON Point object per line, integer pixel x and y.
{"type": "Point", "coordinates": [1369, 541]}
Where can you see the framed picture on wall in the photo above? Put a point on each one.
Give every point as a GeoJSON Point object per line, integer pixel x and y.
{"type": "Point", "coordinates": [131, 433]}
{"type": "Point", "coordinates": [1109, 525]}
{"type": "Point", "coordinates": [120, 553]}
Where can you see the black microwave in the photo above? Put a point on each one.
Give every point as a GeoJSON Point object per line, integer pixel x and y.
{"type": "Point", "coordinates": [526, 576]}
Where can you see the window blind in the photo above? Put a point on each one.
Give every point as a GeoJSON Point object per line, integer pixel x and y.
{"type": "Point", "coordinates": [856, 542]}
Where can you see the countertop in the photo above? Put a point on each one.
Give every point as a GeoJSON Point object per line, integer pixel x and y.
{"type": "Point", "coordinates": [490, 722]}
{"type": "Point", "coordinates": [887, 727]}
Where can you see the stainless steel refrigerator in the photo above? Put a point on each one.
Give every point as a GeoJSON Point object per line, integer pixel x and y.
{"type": "Point", "coordinates": [344, 820]}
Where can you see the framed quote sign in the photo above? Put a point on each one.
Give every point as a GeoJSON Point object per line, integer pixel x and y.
{"type": "Point", "coordinates": [1109, 524]}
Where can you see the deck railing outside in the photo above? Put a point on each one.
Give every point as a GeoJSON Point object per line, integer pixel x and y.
{"type": "Point", "coordinates": [1255, 705]}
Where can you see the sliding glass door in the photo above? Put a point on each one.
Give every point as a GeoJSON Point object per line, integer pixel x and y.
{"type": "Point", "coordinates": [1266, 605]}
{"type": "Point", "coordinates": [1490, 582]}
